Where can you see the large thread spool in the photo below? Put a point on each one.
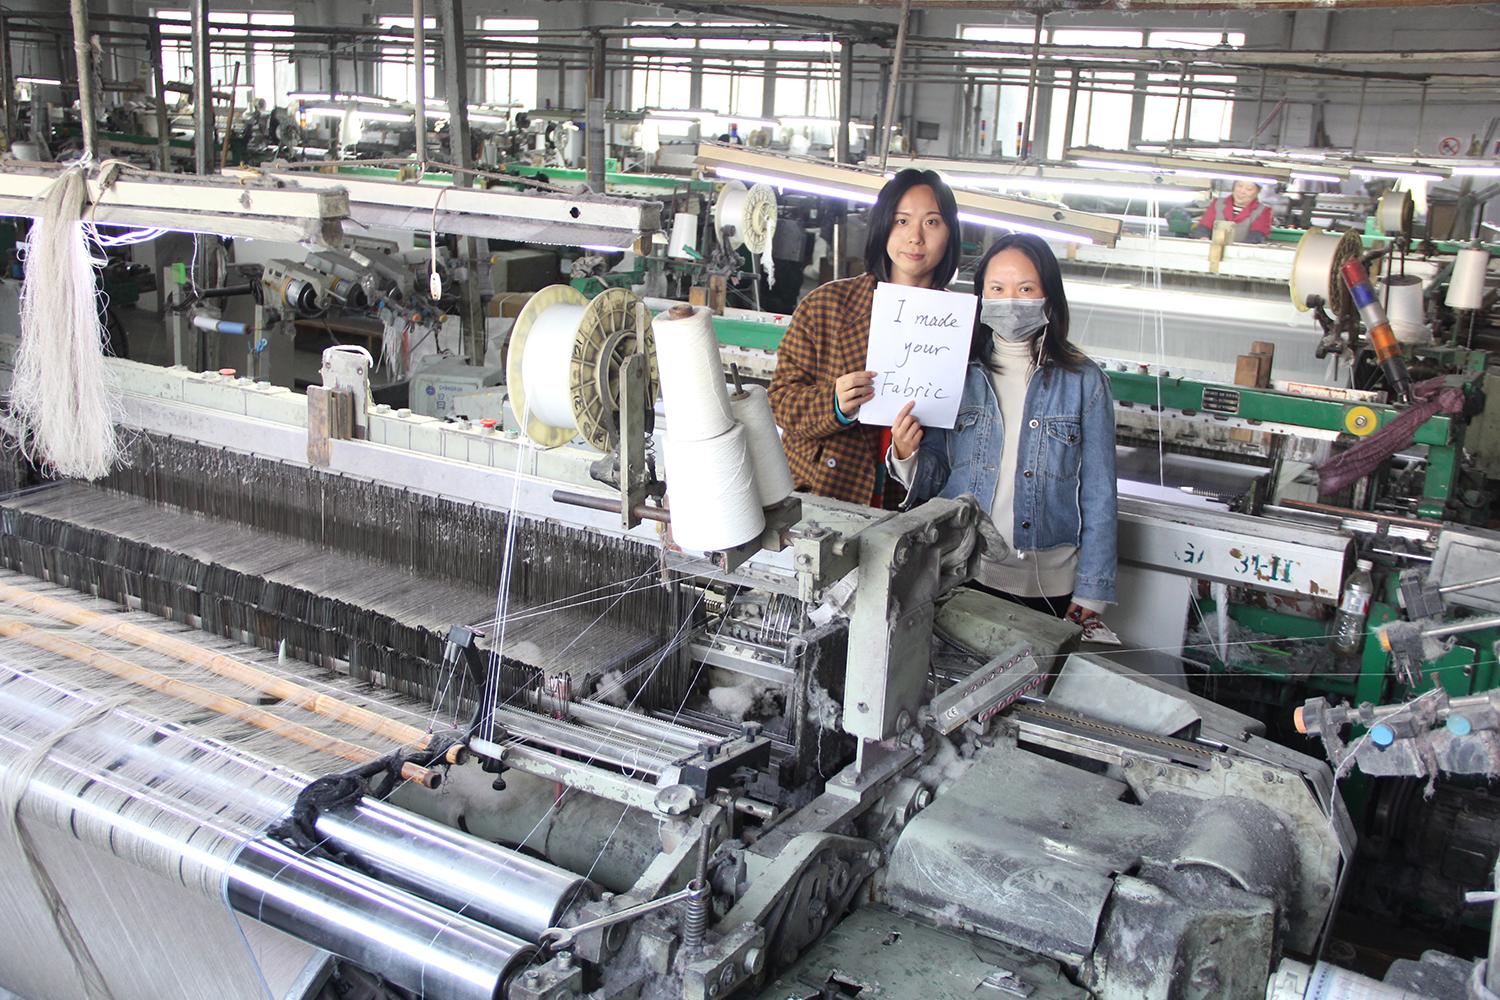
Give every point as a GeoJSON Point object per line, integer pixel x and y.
{"type": "Point", "coordinates": [773, 476]}
{"type": "Point", "coordinates": [751, 212]}
{"type": "Point", "coordinates": [1405, 310]}
{"type": "Point", "coordinates": [1393, 212]}
{"type": "Point", "coordinates": [711, 492]}
{"type": "Point", "coordinates": [684, 236]}
{"type": "Point", "coordinates": [1316, 265]}
{"type": "Point", "coordinates": [563, 366]}
{"type": "Point", "coordinates": [1466, 287]}
{"type": "Point", "coordinates": [692, 374]}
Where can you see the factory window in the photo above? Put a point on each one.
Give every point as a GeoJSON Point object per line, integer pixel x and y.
{"type": "Point", "coordinates": [1102, 115]}
{"type": "Point", "coordinates": [807, 78]}
{"type": "Point", "coordinates": [261, 73]}
{"type": "Point", "coordinates": [1199, 108]}
{"type": "Point", "coordinates": [1000, 84]}
{"type": "Point", "coordinates": [663, 67]}
{"type": "Point", "coordinates": [396, 76]}
{"type": "Point", "coordinates": [510, 76]}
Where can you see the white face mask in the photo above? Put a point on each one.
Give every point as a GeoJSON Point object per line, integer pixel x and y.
{"type": "Point", "coordinates": [1013, 319]}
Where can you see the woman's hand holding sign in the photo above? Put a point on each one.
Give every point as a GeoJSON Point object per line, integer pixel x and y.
{"type": "Point", "coordinates": [852, 390]}
{"type": "Point", "coordinates": [906, 433]}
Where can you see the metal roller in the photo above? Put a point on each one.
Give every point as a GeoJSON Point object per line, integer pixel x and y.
{"type": "Point", "coordinates": [496, 886]}
{"type": "Point", "coordinates": [415, 944]}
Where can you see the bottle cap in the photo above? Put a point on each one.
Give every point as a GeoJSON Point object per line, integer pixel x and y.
{"type": "Point", "coordinates": [1364, 564]}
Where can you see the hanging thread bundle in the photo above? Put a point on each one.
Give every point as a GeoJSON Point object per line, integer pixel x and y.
{"type": "Point", "coordinates": [62, 391]}
{"type": "Point", "coordinates": [711, 482]}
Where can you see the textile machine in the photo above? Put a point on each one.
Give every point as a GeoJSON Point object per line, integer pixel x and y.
{"type": "Point", "coordinates": [313, 697]}
{"type": "Point", "coordinates": [646, 772]}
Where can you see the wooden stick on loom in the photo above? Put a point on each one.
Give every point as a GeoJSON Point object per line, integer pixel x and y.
{"type": "Point", "coordinates": [293, 694]}
{"type": "Point", "coordinates": [204, 698]}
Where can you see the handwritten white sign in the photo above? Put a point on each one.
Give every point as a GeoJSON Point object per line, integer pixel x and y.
{"type": "Point", "coordinates": [919, 349]}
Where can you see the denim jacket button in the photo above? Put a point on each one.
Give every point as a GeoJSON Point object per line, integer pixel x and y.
{"type": "Point", "coordinates": [1027, 473]}
{"type": "Point", "coordinates": [1035, 422]}
{"type": "Point", "coordinates": [832, 463]}
{"type": "Point", "coordinates": [1025, 524]}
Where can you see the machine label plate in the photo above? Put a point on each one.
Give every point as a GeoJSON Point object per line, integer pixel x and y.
{"type": "Point", "coordinates": [1221, 400]}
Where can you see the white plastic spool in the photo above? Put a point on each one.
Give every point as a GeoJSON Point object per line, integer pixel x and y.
{"type": "Point", "coordinates": [1404, 309]}
{"type": "Point", "coordinates": [684, 236]}
{"type": "Point", "coordinates": [1315, 268]}
{"type": "Point", "coordinates": [563, 365]}
{"type": "Point", "coordinates": [711, 492]}
{"type": "Point", "coordinates": [1466, 287]}
{"type": "Point", "coordinates": [773, 476]}
{"type": "Point", "coordinates": [752, 213]}
{"type": "Point", "coordinates": [692, 374]}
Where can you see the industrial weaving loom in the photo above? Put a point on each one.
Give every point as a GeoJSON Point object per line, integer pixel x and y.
{"type": "Point", "coordinates": [712, 777]}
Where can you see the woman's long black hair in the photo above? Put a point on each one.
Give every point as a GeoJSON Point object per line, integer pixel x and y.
{"type": "Point", "coordinates": [1052, 346]}
{"type": "Point", "coordinates": [883, 220]}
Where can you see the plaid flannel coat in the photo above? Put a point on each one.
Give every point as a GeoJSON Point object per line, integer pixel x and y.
{"type": "Point", "coordinates": [828, 337]}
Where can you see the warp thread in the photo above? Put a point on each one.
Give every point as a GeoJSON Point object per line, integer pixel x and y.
{"type": "Point", "coordinates": [773, 476]}
{"type": "Point", "coordinates": [62, 391]}
{"type": "Point", "coordinates": [1433, 397]}
{"type": "Point", "coordinates": [17, 780]}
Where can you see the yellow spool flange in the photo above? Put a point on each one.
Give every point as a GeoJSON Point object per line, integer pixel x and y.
{"type": "Point", "coordinates": [1361, 420]}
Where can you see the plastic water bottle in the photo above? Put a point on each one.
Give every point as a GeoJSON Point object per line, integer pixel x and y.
{"type": "Point", "coordinates": [1354, 608]}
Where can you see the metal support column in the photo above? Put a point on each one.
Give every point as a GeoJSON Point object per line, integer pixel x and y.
{"type": "Point", "coordinates": [1359, 116]}
{"type": "Point", "coordinates": [598, 97]}
{"type": "Point", "coordinates": [846, 101]}
{"type": "Point", "coordinates": [203, 90]}
{"type": "Point", "coordinates": [83, 52]}
{"type": "Point", "coordinates": [159, 88]}
{"type": "Point", "coordinates": [419, 78]}
{"type": "Point", "coordinates": [890, 97]}
{"type": "Point", "coordinates": [456, 86]}
{"type": "Point", "coordinates": [1036, 49]}
{"type": "Point", "coordinates": [1072, 111]}
{"type": "Point", "coordinates": [7, 83]}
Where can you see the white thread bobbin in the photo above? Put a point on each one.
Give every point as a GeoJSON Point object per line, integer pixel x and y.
{"type": "Point", "coordinates": [544, 365]}
{"type": "Point", "coordinates": [1393, 213]}
{"type": "Point", "coordinates": [1404, 309]}
{"type": "Point", "coordinates": [752, 213]}
{"type": "Point", "coordinates": [773, 476]}
{"type": "Point", "coordinates": [563, 365]}
{"type": "Point", "coordinates": [1466, 287]}
{"type": "Point", "coordinates": [692, 374]}
{"type": "Point", "coordinates": [1315, 268]}
{"type": "Point", "coordinates": [711, 492]}
{"type": "Point", "coordinates": [684, 236]}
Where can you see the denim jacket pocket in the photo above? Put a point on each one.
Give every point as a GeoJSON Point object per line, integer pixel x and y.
{"type": "Point", "coordinates": [962, 446]}
{"type": "Point", "coordinates": [1062, 447]}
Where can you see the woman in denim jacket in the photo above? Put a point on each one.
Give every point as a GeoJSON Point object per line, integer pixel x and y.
{"type": "Point", "coordinates": [1034, 441]}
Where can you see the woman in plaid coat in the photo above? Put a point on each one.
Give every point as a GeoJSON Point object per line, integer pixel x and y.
{"type": "Point", "coordinates": [821, 381]}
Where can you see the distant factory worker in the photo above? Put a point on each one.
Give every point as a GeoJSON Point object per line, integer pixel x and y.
{"type": "Point", "coordinates": [820, 380]}
{"type": "Point", "coordinates": [1034, 441]}
{"type": "Point", "coordinates": [1243, 207]}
